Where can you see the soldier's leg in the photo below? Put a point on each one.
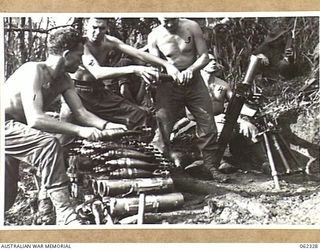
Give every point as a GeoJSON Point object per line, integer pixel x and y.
{"type": "Point", "coordinates": [134, 116]}
{"type": "Point", "coordinates": [11, 181]}
{"type": "Point", "coordinates": [113, 107]}
{"type": "Point", "coordinates": [168, 108]}
{"type": "Point", "coordinates": [43, 151]}
{"type": "Point", "coordinates": [227, 164]}
{"type": "Point", "coordinates": [200, 106]}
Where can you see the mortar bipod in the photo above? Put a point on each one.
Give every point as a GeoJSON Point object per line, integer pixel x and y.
{"type": "Point", "coordinates": [278, 150]}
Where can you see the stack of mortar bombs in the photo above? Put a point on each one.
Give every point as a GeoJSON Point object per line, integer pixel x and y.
{"type": "Point", "coordinates": [115, 171]}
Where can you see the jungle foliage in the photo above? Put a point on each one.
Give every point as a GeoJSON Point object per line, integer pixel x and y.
{"type": "Point", "coordinates": [232, 43]}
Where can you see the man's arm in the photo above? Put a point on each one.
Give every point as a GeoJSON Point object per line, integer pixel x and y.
{"type": "Point", "coordinates": [229, 92]}
{"type": "Point", "coordinates": [147, 73]}
{"type": "Point", "coordinates": [103, 72]}
{"type": "Point", "coordinates": [32, 102]}
{"type": "Point", "coordinates": [150, 57]}
{"type": "Point", "coordinates": [152, 43]}
{"type": "Point", "coordinates": [82, 115]}
{"type": "Point", "coordinates": [201, 48]}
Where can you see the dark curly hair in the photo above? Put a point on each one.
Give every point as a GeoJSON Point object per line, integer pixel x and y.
{"type": "Point", "coordinates": [63, 39]}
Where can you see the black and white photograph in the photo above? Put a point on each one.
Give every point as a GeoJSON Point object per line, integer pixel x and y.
{"type": "Point", "coordinates": [166, 120]}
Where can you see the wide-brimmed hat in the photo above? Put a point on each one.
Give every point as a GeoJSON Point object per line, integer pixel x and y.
{"type": "Point", "coordinates": [275, 34]}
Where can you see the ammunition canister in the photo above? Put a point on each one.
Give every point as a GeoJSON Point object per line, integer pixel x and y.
{"type": "Point", "coordinates": [129, 173]}
{"type": "Point", "coordinates": [106, 187]}
{"type": "Point", "coordinates": [128, 153]}
{"type": "Point", "coordinates": [94, 186]}
{"type": "Point", "coordinates": [153, 203]}
{"type": "Point", "coordinates": [131, 163]}
{"type": "Point", "coordinates": [142, 146]}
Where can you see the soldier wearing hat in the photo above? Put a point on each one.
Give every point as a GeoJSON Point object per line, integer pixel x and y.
{"type": "Point", "coordinates": [276, 53]}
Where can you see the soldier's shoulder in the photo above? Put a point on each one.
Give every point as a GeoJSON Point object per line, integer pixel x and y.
{"type": "Point", "coordinates": [156, 33]}
{"type": "Point", "coordinates": [188, 22]}
{"type": "Point", "coordinates": [32, 66]}
{"type": "Point", "coordinates": [156, 30]}
{"type": "Point", "coordinates": [219, 81]}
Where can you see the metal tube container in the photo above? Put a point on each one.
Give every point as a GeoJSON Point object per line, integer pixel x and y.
{"type": "Point", "coordinates": [105, 187]}
{"type": "Point", "coordinates": [131, 163]}
{"type": "Point", "coordinates": [127, 153]}
{"type": "Point", "coordinates": [130, 173]}
{"type": "Point", "coordinates": [153, 203]}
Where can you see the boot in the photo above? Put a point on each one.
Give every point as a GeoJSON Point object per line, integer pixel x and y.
{"type": "Point", "coordinates": [195, 164]}
{"type": "Point", "coordinates": [45, 214]}
{"type": "Point", "coordinates": [227, 168]}
{"type": "Point", "coordinates": [65, 213]}
{"type": "Point", "coordinates": [197, 170]}
{"type": "Point", "coordinates": [211, 162]}
{"type": "Point", "coordinates": [218, 176]}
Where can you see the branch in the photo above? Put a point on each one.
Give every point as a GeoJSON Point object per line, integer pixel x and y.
{"type": "Point", "coordinates": [37, 30]}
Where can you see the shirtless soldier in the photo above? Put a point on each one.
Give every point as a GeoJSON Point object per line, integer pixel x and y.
{"type": "Point", "coordinates": [181, 42]}
{"type": "Point", "coordinates": [28, 92]}
{"type": "Point", "coordinates": [89, 79]}
{"type": "Point", "coordinates": [219, 91]}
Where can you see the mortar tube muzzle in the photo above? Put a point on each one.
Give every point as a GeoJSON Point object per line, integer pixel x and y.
{"type": "Point", "coordinates": [250, 74]}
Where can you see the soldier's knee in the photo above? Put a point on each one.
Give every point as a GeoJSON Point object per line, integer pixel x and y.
{"type": "Point", "coordinates": [51, 143]}
{"type": "Point", "coordinates": [66, 114]}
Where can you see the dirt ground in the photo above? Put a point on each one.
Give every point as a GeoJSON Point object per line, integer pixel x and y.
{"type": "Point", "coordinates": [249, 198]}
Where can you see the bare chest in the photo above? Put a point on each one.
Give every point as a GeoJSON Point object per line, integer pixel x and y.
{"type": "Point", "coordinates": [105, 55]}
{"type": "Point", "coordinates": [180, 44]}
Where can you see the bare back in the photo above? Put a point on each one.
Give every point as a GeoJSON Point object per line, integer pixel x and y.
{"type": "Point", "coordinates": [179, 48]}
{"type": "Point", "coordinates": [30, 82]}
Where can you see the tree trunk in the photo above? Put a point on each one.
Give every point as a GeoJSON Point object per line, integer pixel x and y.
{"type": "Point", "coordinates": [22, 45]}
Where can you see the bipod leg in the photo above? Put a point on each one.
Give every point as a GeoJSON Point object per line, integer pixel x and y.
{"type": "Point", "coordinates": [283, 158]}
{"type": "Point", "coordinates": [97, 211]}
{"type": "Point", "coordinates": [141, 208]}
{"type": "Point", "coordinates": [271, 161]}
{"type": "Point", "coordinates": [290, 152]}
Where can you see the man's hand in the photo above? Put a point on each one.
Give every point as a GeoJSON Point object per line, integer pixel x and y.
{"type": "Point", "coordinates": [248, 130]}
{"type": "Point", "coordinates": [90, 133]}
{"type": "Point", "coordinates": [172, 71]}
{"type": "Point", "coordinates": [148, 74]}
{"type": "Point", "coordinates": [264, 60]}
{"type": "Point", "coordinates": [185, 76]}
